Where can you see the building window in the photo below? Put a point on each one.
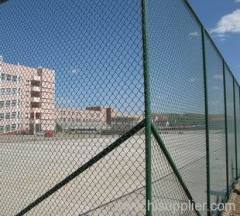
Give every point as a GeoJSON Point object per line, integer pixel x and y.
{"type": "Point", "coordinates": [7, 128]}
{"type": "Point", "coordinates": [13, 116]}
{"type": "Point", "coordinates": [1, 104]}
{"type": "Point", "coordinates": [8, 91]}
{"type": "Point", "coordinates": [8, 103]}
{"type": "Point", "coordinates": [35, 105]}
{"type": "Point", "coordinates": [35, 83]}
{"type": "Point", "coordinates": [14, 103]}
{"type": "Point", "coordinates": [14, 91]}
{"type": "Point", "coordinates": [39, 72]}
{"type": "Point", "coordinates": [38, 115]}
{"type": "Point", "coordinates": [1, 116]}
{"type": "Point", "coordinates": [3, 77]}
{"type": "Point", "coordinates": [14, 78]}
{"type": "Point", "coordinates": [9, 77]}
{"type": "Point", "coordinates": [14, 127]}
{"type": "Point", "coordinates": [1, 129]}
{"type": "Point", "coordinates": [7, 116]}
{"type": "Point", "coordinates": [2, 92]}
{"type": "Point", "coordinates": [32, 115]}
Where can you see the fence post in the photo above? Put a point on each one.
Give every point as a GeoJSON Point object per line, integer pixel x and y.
{"type": "Point", "coordinates": [238, 87]}
{"type": "Point", "coordinates": [226, 127]}
{"type": "Point", "coordinates": [147, 110]}
{"type": "Point", "coordinates": [235, 125]}
{"type": "Point", "coordinates": [206, 119]}
{"type": "Point", "coordinates": [239, 112]}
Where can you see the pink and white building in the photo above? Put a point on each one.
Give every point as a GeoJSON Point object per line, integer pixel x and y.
{"type": "Point", "coordinates": [26, 99]}
{"type": "Point", "coordinates": [27, 104]}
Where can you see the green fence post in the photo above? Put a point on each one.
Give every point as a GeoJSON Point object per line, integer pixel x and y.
{"type": "Point", "coordinates": [147, 110]}
{"type": "Point", "coordinates": [238, 121]}
{"type": "Point", "coordinates": [206, 119]}
{"type": "Point", "coordinates": [235, 125]}
{"type": "Point", "coordinates": [226, 126]}
{"type": "Point", "coordinates": [239, 112]}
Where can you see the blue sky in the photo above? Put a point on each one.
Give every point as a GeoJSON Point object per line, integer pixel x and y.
{"type": "Point", "coordinates": [222, 19]}
{"type": "Point", "coordinates": [96, 49]}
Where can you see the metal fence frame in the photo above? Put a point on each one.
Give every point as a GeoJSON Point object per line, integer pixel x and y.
{"type": "Point", "coordinates": [150, 128]}
{"type": "Point", "coordinates": [161, 143]}
{"type": "Point", "coordinates": [203, 32]}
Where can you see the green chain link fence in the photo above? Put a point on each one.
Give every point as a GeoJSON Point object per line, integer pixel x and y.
{"type": "Point", "coordinates": [114, 108]}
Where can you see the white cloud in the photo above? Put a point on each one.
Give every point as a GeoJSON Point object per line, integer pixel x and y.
{"type": "Point", "coordinates": [237, 1]}
{"type": "Point", "coordinates": [214, 102]}
{"type": "Point", "coordinates": [218, 77]}
{"type": "Point", "coordinates": [192, 80]}
{"type": "Point", "coordinates": [229, 23]}
{"type": "Point", "coordinates": [194, 34]}
{"type": "Point", "coordinates": [75, 71]}
{"type": "Point", "coordinates": [222, 39]}
{"type": "Point", "coordinates": [215, 88]}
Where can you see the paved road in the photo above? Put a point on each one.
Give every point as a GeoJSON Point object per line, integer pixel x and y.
{"type": "Point", "coordinates": [113, 186]}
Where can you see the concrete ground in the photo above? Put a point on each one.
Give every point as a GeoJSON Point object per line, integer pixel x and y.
{"type": "Point", "coordinates": [232, 207]}
{"type": "Point", "coordinates": [114, 185]}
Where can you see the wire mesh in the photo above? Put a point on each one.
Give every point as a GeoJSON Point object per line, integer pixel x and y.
{"type": "Point", "coordinates": [73, 74]}
{"type": "Point", "coordinates": [177, 90]}
{"type": "Point", "coordinates": [231, 127]}
{"type": "Point", "coordinates": [72, 88]}
{"type": "Point", "coordinates": [237, 107]}
{"type": "Point", "coordinates": [216, 120]}
{"type": "Point", "coordinates": [112, 186]}
{"type": "Point", "coordinates": [166, 201]}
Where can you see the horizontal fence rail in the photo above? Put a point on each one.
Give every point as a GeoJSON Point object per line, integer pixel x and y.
{"type": "Point", "coordinates": [114, 108]}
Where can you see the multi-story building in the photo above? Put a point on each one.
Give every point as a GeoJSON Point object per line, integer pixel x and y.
{"type": "Point", "coordinates": [91, 119]}
{"type": "Point", "coordinates": [26, 99]}
{"type": "Point", "coordinates": [27, 105]}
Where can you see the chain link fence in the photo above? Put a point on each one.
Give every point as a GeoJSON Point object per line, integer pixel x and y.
{"type": "Point", "coordinates": [114, 108]}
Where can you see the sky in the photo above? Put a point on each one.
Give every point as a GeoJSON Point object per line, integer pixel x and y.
{"type": "Point", "coordinates": [96, 49]}
{"type": "Point", "coordinates": [222, 20]}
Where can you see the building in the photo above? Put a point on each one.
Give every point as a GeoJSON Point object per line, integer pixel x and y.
{"type": "Point", "coordinates": [91, 119]}
{"type": "Point", "coordinates": [27, 106]}
{"type": "Point", "coordinates": [26, 99]}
